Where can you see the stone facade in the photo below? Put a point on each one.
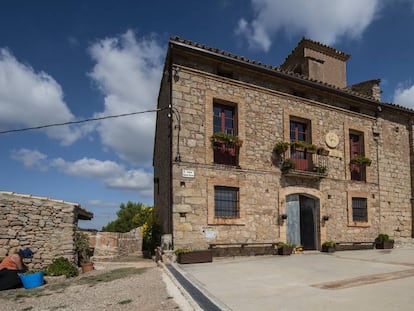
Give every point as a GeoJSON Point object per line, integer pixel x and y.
{"type": "Point", "coordinates": [266, 100]}
{"type": "Point", "coordinates": [44, 225]}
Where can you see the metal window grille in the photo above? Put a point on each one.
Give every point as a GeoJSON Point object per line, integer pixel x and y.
{"type": "Point", "coordinates": [226, 202]}
{"type": "Point", "coordinates": [359, 209]}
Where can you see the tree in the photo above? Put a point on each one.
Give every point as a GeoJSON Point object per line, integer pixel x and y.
{"type": "Point", "coordinates": [130, 216]}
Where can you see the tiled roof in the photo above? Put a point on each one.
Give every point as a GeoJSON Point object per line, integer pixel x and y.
{"type": "Point", "coordinates": [277, 70]}
{"type": "Point", "coordinates": [81, 210]}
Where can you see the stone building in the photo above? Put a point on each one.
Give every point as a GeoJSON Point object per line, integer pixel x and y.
{"type": "Point", "coordinates": [45, 225]}
{"type": "Point", "coordinates": [218, 179]}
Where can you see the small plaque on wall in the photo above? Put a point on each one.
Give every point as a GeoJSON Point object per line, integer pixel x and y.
{"type": "Point", "coordinates": [188, 173]}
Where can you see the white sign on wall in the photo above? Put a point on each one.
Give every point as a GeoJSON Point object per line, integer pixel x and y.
{"type": "Point", "coordinates": [188, 173]}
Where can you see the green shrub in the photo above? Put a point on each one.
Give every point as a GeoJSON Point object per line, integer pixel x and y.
{"type": "Point", "coordinates": [383, 237]}
{"type": "Point", "coordinates": [181, 250]}
{"type": "Point", "coordinates": [62, 266]}
{"type": "Point", "coordinates": [329, 244]}
{"type": "Point", "coordinates": [283, 245]}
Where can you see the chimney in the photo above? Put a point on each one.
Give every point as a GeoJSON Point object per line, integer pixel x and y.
{"type": "Point", "coordinates": [319, 62]}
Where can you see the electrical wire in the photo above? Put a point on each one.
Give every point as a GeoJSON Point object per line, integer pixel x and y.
{"type": "Point", "coordinates": [77, 122]}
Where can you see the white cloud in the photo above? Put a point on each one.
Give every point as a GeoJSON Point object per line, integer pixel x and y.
{"type": "Point", "coordinates": [29, 98]}
{"type": "Point", "coordinates": [404, 96]}
{"type": "Point", "coordinates": [88, 167]}
{"type": "Point", "coordinates": [110, 173]}
{"type": "Point", "coordinates": [320, 20]}
{"type": "Point", "coordinates": [128, 72]}
{"type": "Point", "coordinates": [30, 158]}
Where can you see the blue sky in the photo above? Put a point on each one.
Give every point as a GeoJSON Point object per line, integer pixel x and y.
{"type": "Point", "coordinates": [63, 61]}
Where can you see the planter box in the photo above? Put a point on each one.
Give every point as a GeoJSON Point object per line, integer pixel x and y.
{"type": "Point", "coordinates": [328, 249]}
{"type": "Point", "coordinates": [384, 245]}
{"type": "Point", "coordinates": [195, 257]}
{"type": "Point", "coordinates": [284, 251]}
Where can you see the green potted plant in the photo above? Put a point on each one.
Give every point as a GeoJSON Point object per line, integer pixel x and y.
{"type": "Point", "coordinates": [383, 241]}
{"type": "Point", "coordinates": [61, 266]}
{"type": "Point", "coordinates": [281, 147]}
{"type": "Point", "coordinates": [224, 138]}
{"type": "Point", "coordinates": [287, 165]}
{"type": "Point", "coordinates": [185, 255]}
{"type": "Point", "coordinates": [328, 246]}
{"type": "Point", "coordinates": [285, 248]}
{"type": "Point", "coordinates": [311, 148]}
{"type": "Point", "coordinates": [299, 145]}
{"type": "Point", "coordinates": [83, 251]}
{"type": "Point", "coordinates": [361, 160]}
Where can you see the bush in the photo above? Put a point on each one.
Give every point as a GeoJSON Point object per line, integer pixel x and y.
{"type": "Point", "coordinates": [383, 237]}
{"type": "Point", "coordinates": [283, 245]}
{"type": "Point", "coordinates": [62, 266]}
{"type": "Point", "coordinates": [329, 244]}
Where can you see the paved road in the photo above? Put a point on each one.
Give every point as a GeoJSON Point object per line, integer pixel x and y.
{"type": "Point", "coordinates": [348, 280]}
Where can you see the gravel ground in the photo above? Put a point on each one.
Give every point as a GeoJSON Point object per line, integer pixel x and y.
{"type": "Point", "coordinates": [145, 291]}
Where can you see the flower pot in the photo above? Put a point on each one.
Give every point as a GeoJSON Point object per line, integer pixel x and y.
{"type": "Point", "coordinates": [384, 245]}
{"type": "Point", "coordinates": [284, 251]}
{"type": "Point", "coordinates": [87, 266]}
{"type": "Point", "coordinates": [32, 280]}
{"type": "Point", "coordinates": [328, 249]}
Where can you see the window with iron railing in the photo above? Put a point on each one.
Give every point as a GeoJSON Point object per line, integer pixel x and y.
{"type": "Point", "coordinates": [359, 210]}
{"type": "Point", "coordinates": [226, 202]}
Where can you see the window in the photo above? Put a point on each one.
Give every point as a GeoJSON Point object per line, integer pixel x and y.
{"type": "Point", "coordinates": [224, 121]}
{"type": "Point", "coordinates": [226, 202]}
{"type": "Point", "coordinates": [359, 209]}
{"type": "Point", "coordinates": [356, 148]}
{"type": "Point", "coordinates": [300, 132]}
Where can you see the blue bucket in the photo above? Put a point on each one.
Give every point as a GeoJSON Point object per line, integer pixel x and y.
{"type": "Point", "coordinates": [32, 280]}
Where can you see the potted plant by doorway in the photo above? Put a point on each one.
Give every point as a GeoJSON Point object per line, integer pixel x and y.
{"type": "Point", "coordinates": [285, 248]}
{"type": "Point", "coordinates": [83, 251]}
{"type": "Point", "coordinates": [328, 247]}
{"type": "Point", "coordinates": [383, 241]}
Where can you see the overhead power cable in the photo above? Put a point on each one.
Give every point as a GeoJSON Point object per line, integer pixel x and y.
{"type": "Point", "coordinates": [79, 121]}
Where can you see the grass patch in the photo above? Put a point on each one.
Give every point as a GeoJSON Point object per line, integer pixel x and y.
{"type": "Point", "coordinates": [50, 289]}
{"type": "Point", "coordinates": [109, 276]}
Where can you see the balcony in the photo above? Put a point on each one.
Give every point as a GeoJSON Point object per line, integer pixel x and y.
{"type": "Point", "coordinates": [305, 164]}
{"type": "Point", "coordinates": [226, 154]}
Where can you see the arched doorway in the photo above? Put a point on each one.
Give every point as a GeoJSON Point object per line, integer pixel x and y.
{"type": "Point", "coordinates": [302, 223]}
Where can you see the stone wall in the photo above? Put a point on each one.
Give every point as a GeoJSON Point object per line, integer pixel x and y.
{"type": "Point", "coordinates": [44, 225]}
{"type": "Point", "coordinates": [114, 245]}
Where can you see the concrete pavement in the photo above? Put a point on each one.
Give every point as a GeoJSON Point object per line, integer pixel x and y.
{"type": "Point", "coordinates": [348, 280]}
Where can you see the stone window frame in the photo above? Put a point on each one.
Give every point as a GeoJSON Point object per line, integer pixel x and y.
{"type": "Point", "coordinates": [225, 182]}
{"type": "Point", "coordinates": [358, 194]}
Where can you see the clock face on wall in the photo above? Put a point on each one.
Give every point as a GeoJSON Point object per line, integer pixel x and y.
{"type": "Point", "coordinates": [332, 140]}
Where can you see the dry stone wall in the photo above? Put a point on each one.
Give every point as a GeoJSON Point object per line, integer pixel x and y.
{"type": "Point", "coordinates": [45, 226]}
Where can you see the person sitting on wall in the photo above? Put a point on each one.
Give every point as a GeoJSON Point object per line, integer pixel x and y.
{"type": "Point", "coordinates": [11, 266]}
